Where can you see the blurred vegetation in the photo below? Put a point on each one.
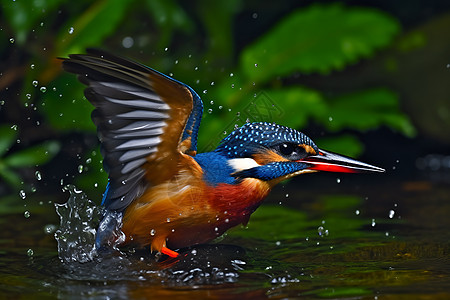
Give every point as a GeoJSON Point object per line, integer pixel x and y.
{"type": "Point", "coordinates": [240, 78]}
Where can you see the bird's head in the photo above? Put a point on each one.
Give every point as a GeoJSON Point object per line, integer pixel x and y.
{"type": "Point", "coordinates": [272, 153]}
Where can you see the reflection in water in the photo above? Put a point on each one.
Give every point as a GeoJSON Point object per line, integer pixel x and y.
{"type": "Point", "coordinates": [284, 252]}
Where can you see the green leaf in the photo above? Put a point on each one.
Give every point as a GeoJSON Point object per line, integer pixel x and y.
{"type": "Point", "coordinates": [218, 19]}
{"type": "Point", "coordinates": [168, 15]}
{"type": "Point", "coordinates": [368, 110]}
{"type": "Point", "coordinates": [10, 176]}
{"type": "Point", "coordinates": [7, 138]}
{"type": "Point", "coordinates": [92, 26]}
{"type": "Point", "coordinates": [298, 105]}
{"type": "Point", "coordinates": [65, 108]}
{"type": "Point", "coordinates": [93, 177]}
{"type": "Point", "coordinates": [33, 156]}
{"type": "Point", "coordinates": [320, 38]}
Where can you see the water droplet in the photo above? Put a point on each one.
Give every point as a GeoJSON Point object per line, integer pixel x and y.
{"type": "Point", "coordinates": [43, 89]}
{"type": "Point", "coordinates": [231, 74]}
{"type": "Point", "coordinates": [28, 96]}
{"type": "Point", "coordinates": [391, 214]}
{"type": "Point", "coordinates": [320, 230]}
{"type": "Point", "coordinates": [11, 40]}
{"type": "Point", "coordinates": [49, 228]}
{"type": "Point", "coordinates": [194, 252]}
{"type": "Point", "coordinates": [256, 65]}
{"type": "Point", "coordinates": [22, 194]}
{"type": "Point", "coordinates": [38, 175]}
{"type": "Point", "coordinates": [152, 232]}
{"type": "Point", "coordinates": [71, 30]}
{"type": "Point", "coordinates": [338, 180]}
{"type": "Point", "coordinates": [210, 110]}
{"type": "Point", "coordinates": [127, 42]}
{"type": "Point", "coordinates": [278, 243]}
{"type": "Point", "coordinates": [254, 15]}
{"type": "Point", "coordinates": [166, 49]}
{"type": "Point", "coordinates": [287, 195]}
{"type": "Point", "coordinates": [168, 220]}
{"type": "Point", "coordinates": [30, 252]}
{"type": "Point", "coordinates": [212, 83]}
{"type": "Point", "coordinates": [373, 223]}
{"type": "Point", "coordinates": [330, 119]}
{"type": "Point", "coordinates": [80, 169]}
{"type": "Point", "coordinates": [357, 212]}
{"type": "Point", "coordinates": [26, 214]}
{"type": "Point", "coordinates": [205, 91]}
{"type": "Point", "coordinates": [32, 66]}
{"type": "Point", "coordinates": [35, 83]}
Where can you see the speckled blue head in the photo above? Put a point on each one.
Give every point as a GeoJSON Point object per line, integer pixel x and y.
{"type": "Point", "coordinates": [252, 137]}
{"type": "Point", "coordinates": [271, 153]}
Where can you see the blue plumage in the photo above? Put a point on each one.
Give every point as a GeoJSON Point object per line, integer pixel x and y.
{"type": "Point", "coordinates": [147, 123]}
{"type": "Point", "coordinates": [251, 137]}
{"type": "Point", "coordinates": [215, 167]}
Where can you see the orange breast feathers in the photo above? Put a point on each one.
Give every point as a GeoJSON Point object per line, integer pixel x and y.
{"type": "Point", "coordinates": [185, 211]}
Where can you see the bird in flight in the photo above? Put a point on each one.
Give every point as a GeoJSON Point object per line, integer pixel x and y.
{"type": "Point", "coordinates": [162, 193]}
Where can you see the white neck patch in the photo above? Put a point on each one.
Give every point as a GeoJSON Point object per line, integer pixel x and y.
{"type": "Point", "coordinates": [239, 164]}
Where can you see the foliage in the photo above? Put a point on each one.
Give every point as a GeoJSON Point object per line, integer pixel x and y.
{"type": "Point", "coordinates": [261, 80]}
{"type": "Point", "coordinates": [30, 157]}
{"type": "Point", "coordinates": [305, 42]}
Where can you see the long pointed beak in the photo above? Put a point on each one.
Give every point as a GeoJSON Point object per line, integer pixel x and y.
{"type": "Point", "coordinates": [332, 162]}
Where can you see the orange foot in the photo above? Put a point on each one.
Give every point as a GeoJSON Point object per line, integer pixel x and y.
{"type": "Point", "coordinates": [168, 252]}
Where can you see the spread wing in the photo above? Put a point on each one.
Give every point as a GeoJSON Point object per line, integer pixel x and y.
{"type": "Point", "coordinates": [145, 121]}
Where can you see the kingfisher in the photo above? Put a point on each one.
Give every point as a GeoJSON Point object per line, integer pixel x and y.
{"type": "Point", "coordinates": [161, 193]}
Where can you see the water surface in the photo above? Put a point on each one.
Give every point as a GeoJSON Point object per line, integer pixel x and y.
{"type": "Point", "coordinates": [359, 238]}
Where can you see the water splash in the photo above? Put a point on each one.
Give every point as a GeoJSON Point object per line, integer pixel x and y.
{"type": "Point", "coordinates": [79, 218]}
{"type": "Point", "coordinates": [83, 224]}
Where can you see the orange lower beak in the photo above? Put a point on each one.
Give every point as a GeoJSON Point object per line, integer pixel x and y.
{"type": "Point", "coordinates": [332, 162]}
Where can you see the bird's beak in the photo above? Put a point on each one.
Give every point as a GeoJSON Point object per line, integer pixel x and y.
{"type": "Point", "coordinates": [332, 162]}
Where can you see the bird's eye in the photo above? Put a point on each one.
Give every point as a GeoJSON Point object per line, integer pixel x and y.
{"type": "Point", "coordinates": [287, 149]}
{"type": "Point", "coordinates": [291, 151]}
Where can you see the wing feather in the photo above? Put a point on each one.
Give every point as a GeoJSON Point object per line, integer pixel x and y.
{"type": "Point", "coordinates": [145, 121]}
